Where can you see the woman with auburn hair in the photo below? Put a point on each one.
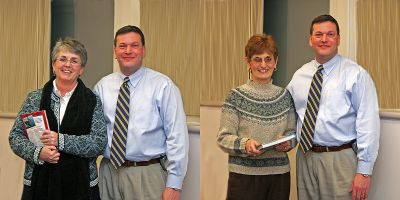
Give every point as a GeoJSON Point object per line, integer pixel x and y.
{"type": "Point", "coordinates": [255, 113]}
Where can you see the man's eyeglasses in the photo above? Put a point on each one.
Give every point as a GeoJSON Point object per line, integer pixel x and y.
{"type": "Point", "coordinates": [72, 61]}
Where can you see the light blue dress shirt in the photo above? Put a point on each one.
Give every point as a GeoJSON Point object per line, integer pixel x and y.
{"type": "Point", "coordinates": [348, 107]}
{"type": "Point", "coordinates": [157, 121]}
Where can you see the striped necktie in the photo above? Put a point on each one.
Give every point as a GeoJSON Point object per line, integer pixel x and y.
{"type": "Point", "coordinates": [118, 146]}
{"type": "Point", "coordinates": [310, 117]}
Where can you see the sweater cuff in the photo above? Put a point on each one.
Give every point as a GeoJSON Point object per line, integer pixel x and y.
{"type": "Point", "coordinates": [242, 145]}
{"type": "Point", "coordinates": [60, 141]}
{"type": "Point", "coordinates": [36, 154]}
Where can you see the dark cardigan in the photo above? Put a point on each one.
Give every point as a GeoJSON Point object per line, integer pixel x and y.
{"type": "Point", "coordinates": [69, 178]}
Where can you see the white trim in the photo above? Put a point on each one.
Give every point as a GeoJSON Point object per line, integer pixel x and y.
{"type": "Point", "coordinates": [344, 11]}
{"type": "Point", "coordinates": [389, 113]}
{"type": "Point", "coordinates": [94, 182]}
{"type": "Point", "coordinates": [126, 12]}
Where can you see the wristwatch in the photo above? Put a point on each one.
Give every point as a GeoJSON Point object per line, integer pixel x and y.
{"type": "Point", "coordinates": [366, 175]}
{"type": "Point", "coordinates": [176, 189]}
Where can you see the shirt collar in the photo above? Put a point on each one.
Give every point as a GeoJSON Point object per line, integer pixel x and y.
{"type": "Point", "coordinates": [135, 77]}
{"type": "Point", "coordinates": [328, 66]}
{"type": "Point", "coordinates": [58, 93]}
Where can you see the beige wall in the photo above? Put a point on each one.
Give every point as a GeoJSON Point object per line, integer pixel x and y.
{"type": "Point", "coordinates": [386, 176]}
{"type": "Point", "coordinates": [191, 184]}
{"type": "Point", "coordinates": [213, 162]}
{"type": "Point", "coordinates": [11, 166]}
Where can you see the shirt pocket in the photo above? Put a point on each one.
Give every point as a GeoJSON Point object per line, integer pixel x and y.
{"type": "Point", "coordinates": [337, 104]}
{"type": "Point", "coordinates": [146, 117]}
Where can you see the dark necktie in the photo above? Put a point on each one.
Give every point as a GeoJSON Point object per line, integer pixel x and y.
{"type": "Point", "coordinates": [310, 117]}
{"type": "Point", "coordinates": [118, 146]}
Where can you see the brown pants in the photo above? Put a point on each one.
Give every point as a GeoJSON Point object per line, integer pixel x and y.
{"type": "Point", "coordinates": [258, 187]}
{"type": "Point", "coordinates": [27, 193]}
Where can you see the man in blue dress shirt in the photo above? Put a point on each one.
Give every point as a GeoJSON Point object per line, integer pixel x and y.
{"type": "Point", "coordinates": [348, 116]}
{"type": "Point", "coordinates": [156, 154]}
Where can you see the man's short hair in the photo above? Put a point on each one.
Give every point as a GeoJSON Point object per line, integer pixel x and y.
{"type": "Point", "coordinates": [129, 29]}
{"type": "Point", "coordinates": [324, 18]}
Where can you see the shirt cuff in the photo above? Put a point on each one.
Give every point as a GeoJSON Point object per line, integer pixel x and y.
{"type": "Point", "coordinates": [60, 141]}
{"type": "Point", "coordinates": [36, 154]}
{"type": "Point", "coordinates": [364, 167]}
{"type": "Point", "coordinates": [174, 181]}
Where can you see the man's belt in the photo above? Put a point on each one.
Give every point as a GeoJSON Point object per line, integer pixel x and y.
{"type": "Point", "coordinates": [129, 163]}
{"type": "Point", "coordinates": [320, 149]}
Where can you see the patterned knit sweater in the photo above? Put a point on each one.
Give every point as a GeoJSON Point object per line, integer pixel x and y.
{"type": "Point", "coordinates": [262, 112]}
{"type": "Point", "coordinates": [88, 146]}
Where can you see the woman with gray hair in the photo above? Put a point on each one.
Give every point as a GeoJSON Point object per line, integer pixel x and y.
{"type": "Point", "coordinates": [64, 167]}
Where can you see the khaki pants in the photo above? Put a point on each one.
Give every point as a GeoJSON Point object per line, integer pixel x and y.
{"type": "Point", "coordinates": [325, 176]}
{"type": "Point", "coordinates": [131, 183]}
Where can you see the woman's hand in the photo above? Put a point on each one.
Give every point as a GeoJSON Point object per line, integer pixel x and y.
{"type": "Point", "coordinates": [49, 154]}
{"type": "Point", "coordinates": [284, 146]}
{"type": "Point", "coordinates": [252, 148]}
{"type": "Point", "coordinates": [49, 138]}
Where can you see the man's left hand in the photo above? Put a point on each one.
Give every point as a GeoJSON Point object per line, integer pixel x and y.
{"type": "Point", "coordinates": [284, 146]}
{"type": "Point", "coordinates": [171, 194]}
{"type": "Point", "coordinates": [360, 187]}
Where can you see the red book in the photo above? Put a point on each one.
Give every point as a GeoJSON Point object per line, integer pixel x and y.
{"type": "Point", "coordinates": [34, 124]}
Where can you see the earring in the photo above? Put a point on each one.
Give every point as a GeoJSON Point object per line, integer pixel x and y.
{"type": "Point", "coordinates": [250, 73]}
{"type": "Point", "coordinates": [275, 69]}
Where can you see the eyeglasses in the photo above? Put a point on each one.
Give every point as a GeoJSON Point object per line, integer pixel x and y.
{"type": "Point", "coordinates": [259, 60]}
{"type": "Point", "coordinates": [320, 35]}
{"type": "Point", "coordinates": [73, 61]}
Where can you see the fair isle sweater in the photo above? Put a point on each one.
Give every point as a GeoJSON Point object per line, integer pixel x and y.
{"type": "Point", "coordinates": [262, 112]}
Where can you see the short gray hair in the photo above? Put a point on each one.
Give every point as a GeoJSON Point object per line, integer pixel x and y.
{"type": "Point", "coordinates": [70, 45]}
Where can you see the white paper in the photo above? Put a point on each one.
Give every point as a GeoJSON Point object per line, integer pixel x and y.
{"type": "Point", "coordinates": [280, 140]}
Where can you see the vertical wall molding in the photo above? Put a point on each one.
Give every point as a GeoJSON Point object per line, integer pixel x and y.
{"type": "Point", "coordinates": [344, 11]}
{"type": "Point", "coordinates": [126, 12]}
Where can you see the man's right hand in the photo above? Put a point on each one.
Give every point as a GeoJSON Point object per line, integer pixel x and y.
{"type": "Point", "coordinates": [49, 154]}
{"type": "Point", "coordinates": [171, 194]}
{"type": "Point", "coordinates": [360, 187]}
